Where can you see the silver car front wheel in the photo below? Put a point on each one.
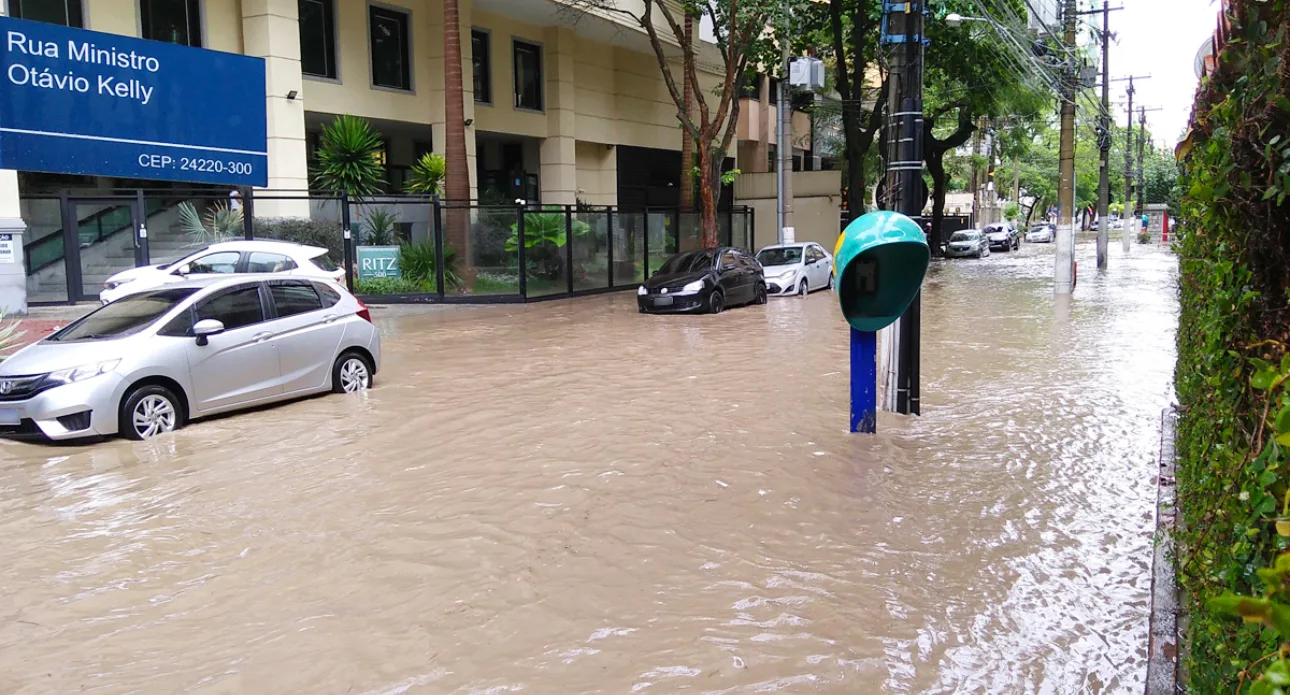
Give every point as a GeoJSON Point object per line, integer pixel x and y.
{"type": "Point", "coordinates": [150, 411]}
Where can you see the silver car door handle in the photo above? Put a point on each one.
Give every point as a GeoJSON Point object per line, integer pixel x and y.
{"type": "Point", "coordinates": [330, 318]}
{"type": "Point", "coordinates": [261, 337]}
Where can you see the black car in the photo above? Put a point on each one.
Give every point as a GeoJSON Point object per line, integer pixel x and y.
{"type": "Point", "coordinates": [705, 280]}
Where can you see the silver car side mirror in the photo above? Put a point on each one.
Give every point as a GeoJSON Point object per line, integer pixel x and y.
{"type": "Point", "coordinates": [183, 269]}
{"type": "Point", "coordinates": [205, 328]}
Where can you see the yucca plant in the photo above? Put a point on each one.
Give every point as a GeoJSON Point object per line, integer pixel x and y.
{"type": "Point", "coordinates": [347, 159]}
{"type": "Point", "coordinates": [428, 175]}
{"type": "Point", "coordinates": [221, 222]}
{"type": "Point", "coordinates": [379, 227]}
{"type": "Point", "coordinates": [10, 336]}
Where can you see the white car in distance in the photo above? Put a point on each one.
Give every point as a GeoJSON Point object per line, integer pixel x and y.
{"type": "Point", "coordinates": [796, 268]}
{"type": "Point", "coordinates": [227, 258]}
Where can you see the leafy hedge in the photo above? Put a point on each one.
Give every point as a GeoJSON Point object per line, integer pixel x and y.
{"type": "Point", "coordinates": [1233, 360]}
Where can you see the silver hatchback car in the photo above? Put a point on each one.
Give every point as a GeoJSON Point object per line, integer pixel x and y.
{"type": "Point", "coordinates": [147, 363]}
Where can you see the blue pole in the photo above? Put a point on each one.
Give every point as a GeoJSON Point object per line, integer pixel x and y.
{"type": "Point", "coordinates": [864, 381]}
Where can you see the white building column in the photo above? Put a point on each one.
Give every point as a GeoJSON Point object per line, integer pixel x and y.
{"type": "Point", "coordinates": [559, 171]}
{"type": "Point", "coordinates": [13, 275]}
{"type": "Point", "coordinates": [271, 30]}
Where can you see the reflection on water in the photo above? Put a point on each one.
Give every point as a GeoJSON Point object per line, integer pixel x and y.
{"type": "Point", "coordinates": [570, 497]}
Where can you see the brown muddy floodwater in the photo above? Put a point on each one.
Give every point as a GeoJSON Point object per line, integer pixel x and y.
{"type": "Point", "coordinates": [569, 497]}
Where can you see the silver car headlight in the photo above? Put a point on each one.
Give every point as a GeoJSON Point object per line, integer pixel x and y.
{"type": "Point", "coordinates": [83, 372]}
{"type": "Point", "coordinates": [112, 285]}
{"type": "Point", "coordinates": [696, 286]}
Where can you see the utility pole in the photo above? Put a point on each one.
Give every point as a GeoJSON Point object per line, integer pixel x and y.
{"type": "Point", "coordinates": [1128, 174]}
{"type": "Point", "coordinates": [976, 173]}
{"type": "Point", "coordinates": [1142, 148]}
{"type": "Point", "coordinates": [1064, 273]}
{"type": "Point", "coordinates": [991, 189]}
{"type": "Point", "coordinates": [785, 148]}
{"type": "Point", "coordinates": [1104, 143]}
{"type": "Point", "coordinates": [904, 180]}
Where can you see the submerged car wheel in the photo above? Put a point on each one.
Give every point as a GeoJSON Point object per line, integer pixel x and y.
{"type": "Point", "coordinates": [351, 373]}
{"type": "Point", "coordinates": [830, 285]}
{"type": "Point", "coordinates": [761, 294]}
{"type": "Point", "coordinates": [149, 411]}
{"type": "Point", "coordinates": [805, 289]}
{"type": "Point", "coordinates": [716, 302]}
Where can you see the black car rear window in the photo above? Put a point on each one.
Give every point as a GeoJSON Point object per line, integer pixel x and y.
{"type": "Point", "coordinates": [688, 262]}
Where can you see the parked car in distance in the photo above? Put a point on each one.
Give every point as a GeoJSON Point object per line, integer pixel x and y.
{"type": "Point", "coordinates": [226, 258]}
{"type": "Point", "coordinates": [1003, 236]}
{"type": "Point", "coordinates": [796, 268]}
{"type": "Point", "coordinates": [1040, 234]}
{"type": "Point", "coordinates": [706, 280]}
{"type": "Point", "coordinates": [149, 362]}
{"type": "Point", "coordinates": [968, 243]}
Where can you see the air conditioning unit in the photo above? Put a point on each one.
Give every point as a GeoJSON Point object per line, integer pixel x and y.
{"type": "Point", "coordinates": [806, 73]}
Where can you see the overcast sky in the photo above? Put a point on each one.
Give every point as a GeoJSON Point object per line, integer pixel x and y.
{"type": "Point", "coordinates": [1159, 38]}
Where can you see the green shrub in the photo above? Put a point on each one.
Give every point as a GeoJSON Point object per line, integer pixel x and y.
{"type": "Point", "coordinates": [303, 231]}
{"type": "Point", "coordinates": [1233, 364]}
{"type": "Point", "coordinates": [417, 262]}
{"type": "Point", "coordinates": [374, 286]}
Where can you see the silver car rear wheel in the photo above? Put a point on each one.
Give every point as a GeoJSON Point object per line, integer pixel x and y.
{"type": "Point", "coordinates": [351, 374]}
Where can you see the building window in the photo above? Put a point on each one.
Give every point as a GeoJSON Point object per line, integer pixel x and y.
{"type": "Point", "coordinates": [65, 12]}
{"type": "Point", "coordinates": [528, 76]}
{"type": "Point", "coordinates": [421, 149]}
{"type": "Point", "coordinates": [317, 38]}
{"type": "Point", "coordinates": [172, 21]}
{"type": "Point", "coordinates": [391, 63]}
{"type": "Point", "coordinates": [483, 66]}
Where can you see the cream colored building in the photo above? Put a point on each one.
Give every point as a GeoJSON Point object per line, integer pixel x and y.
{"type": "Point", "coordinates": [561, 106]}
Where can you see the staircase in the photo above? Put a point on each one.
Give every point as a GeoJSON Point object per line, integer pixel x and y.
{"type": "Point", "coordinates": [104, 252]}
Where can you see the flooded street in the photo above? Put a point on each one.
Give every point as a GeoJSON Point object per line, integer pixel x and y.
{"type": "Point", "coordinates": [570, 497]}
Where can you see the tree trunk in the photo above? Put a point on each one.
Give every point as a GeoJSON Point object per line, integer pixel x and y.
{"type": "Point", "coordinates": [707, 200]}
{"type": "Point", "coordinates": [936, 167]}
{"type": "Point", "coordinates": [934, 154]}
{"type": "Point", "coordinates": [457, 185]}
{"type": "Point", "coordinates": [687, 141]}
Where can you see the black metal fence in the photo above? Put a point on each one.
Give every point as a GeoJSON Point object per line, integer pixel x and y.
{"type": "Point", "coordinates": [393, 248]}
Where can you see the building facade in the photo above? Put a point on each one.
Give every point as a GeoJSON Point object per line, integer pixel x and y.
{"type": "Point", "coordinates": [562, 106]}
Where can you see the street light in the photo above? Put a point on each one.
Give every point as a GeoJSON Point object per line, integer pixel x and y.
{"type": "Point", "coordinates": [955, 19]}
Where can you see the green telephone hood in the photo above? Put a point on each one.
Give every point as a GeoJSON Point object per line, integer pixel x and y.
{"type": "Point", "coordinates": [879, 263]}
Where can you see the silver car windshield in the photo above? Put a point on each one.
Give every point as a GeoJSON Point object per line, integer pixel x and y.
{"type": "Point", "coordinates": [780, 256]}
{"type": "Point", "coordinates": [965, 236]}
{"type": "Point", "coordinates": [123, 317]}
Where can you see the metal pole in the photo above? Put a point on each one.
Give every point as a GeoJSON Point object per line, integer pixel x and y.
{"type": "Point", "coordinates": [864, 381]}
{"type": "Point", "coordinates": [346, 240]}
{"type": "Point", "coordinates": [1064, 273]}
{"type": "Point", "coordinates": [1128, 176]}
{"type": "Point", "coordinates": [904, 180]}
{"type": "Point", "coordinates": [784, 148]}
{"type": "Point", "coordinates": [1104, 143]}
{"type": "Point", "coordinates": [436, 209]}
{"type": "Point", "coordinates": [520, 257]}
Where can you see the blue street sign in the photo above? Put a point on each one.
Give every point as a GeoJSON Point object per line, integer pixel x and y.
{"type": "Point", "coordinates": [74, 101]}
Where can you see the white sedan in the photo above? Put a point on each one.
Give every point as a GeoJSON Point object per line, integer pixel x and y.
{"type": "Point", "coordinates": [226, 258]}
{"type": "Point", "coordinates": [796, 268]}
{"type": "Point", "coordinates": [1040, 234]}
